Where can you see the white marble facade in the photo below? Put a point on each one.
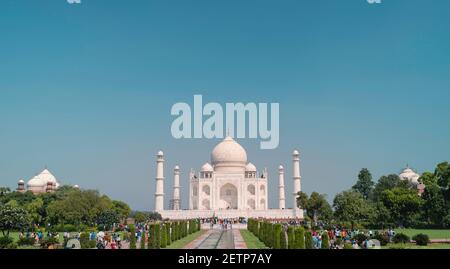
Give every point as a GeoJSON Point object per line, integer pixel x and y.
{"type": "Point", "coordinates": [228, 187]}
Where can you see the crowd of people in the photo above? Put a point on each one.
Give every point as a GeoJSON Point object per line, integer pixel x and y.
{"type": "Point", "coordinates": [224, 224]}
{"type": "Point", "coordinates": [37, 236]}
{"type": "Point", "coordinates": [338, 237]}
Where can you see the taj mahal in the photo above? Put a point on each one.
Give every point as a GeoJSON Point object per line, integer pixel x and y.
{"type": "Point", "coordinates": [228, 187]}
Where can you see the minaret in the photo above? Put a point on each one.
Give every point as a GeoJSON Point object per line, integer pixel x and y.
{"type": "Point", "coordinates": [296, 176]}
{"type": "Point", "coordinates": [159, 193]}
{"type": "Point", "coordinates": [176, 189]}
{"type": "Point", "coordinates": [282, 198]}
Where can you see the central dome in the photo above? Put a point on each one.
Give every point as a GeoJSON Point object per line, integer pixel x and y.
{"type": "Point", "coordinates": [229, 156]}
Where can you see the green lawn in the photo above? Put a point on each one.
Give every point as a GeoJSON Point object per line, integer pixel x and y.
{"type": "Point", "coordinates": [251, 240]}
{"type": "Point", "coordinates": [184, 241]}
{"type": "Point", "coordinates": [414, 246]}
{"type": "Point", "coordinates": [433, 234]}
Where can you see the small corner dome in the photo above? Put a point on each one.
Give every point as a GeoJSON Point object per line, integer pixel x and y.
{"type": "Point", "coordinates": [296, 153]}
{"type": "Point", "coordinates": [207, 168]}
{"type": "Point", "coordinates": [21, 181]}
{"type": "Point", "coordinates": [76, 186]}
{"type": "Point", "coordinates": [177, 167]}
{"type": "Point", "coordinates": [250, 167]}
{"type": "Point", "coordinates": [280, 167]}
{"type": "Point", "coordinates": [160, 153]}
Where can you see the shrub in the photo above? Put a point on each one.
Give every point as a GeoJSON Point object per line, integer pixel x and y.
{"type": "Point", "coordinates": [151, 237]}
{"type": "Point", "coordinates": [401, 238]}
{"type": "Point", "coordinates": [277, 230]}
{"type": "Point", "coordinates": [157, 236]}
{"type": "Point", "coordinates": [309, 240]}
{"type": "Point", "coordinates": [360, 238]}
{"type": "Point", "coordinates": [143, 239]}
{"type": "Point", "coordinates": [132, 230]}
{"type": "Point", "coordinates": [383, 238]}
{"type": "Point", "coordinates": [7, 242]}
{"type": "Point", "coordinates": [168, 236]}
{"type": "Point", "coordinates": [92, 244]}
{"type": "Point", "coordinates": [270, 235]}
{"type": "Point", "coordinates": [283, 240]}
{"type": "Point", "coordinates": [299, 238]}
{"type": "Point", "coordinates": [164, 236]}
{"type": "Point", "coordinates": [291, 237]}
{"type": "Point", "coordinates": [49, 242]}
{"type": "Point", "coordinates": [27, 241]}
{"type": "Point", "coordinates": [421, 239]}
{"type": "Point", "coordinates": [84, 240]}
{"type": "Point", "coordinates": [348, 246]}
{"type": "Point", "coordinates": [325, 241]}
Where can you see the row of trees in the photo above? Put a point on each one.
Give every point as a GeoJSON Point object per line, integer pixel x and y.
{"type": "Point", "coordinates": [391, 202]}
{"type": "Point", "coordinates": [65, 207]}
{"type": "Point", "coordinates": [273, 235]}
{"type": "Point", "coordinates": [163, 234]}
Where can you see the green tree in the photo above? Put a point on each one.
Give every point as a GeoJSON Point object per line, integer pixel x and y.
{"type": "Point", "coordinates": [316, 206]}
{"type": "Point", "coordinates": [434, 208]}
{"type": "Point", "coordinates": [4, 191]}
{"type": "Point", "coordinates": [442, 173]}
{"type": "Point", "coordinates": [403, 204]}
{"type": "Point", "coordinates": [428, 179]}
{"type": "Point", "coordinates": [350, 206]}
{"type": "Point", "coordinates": [364, 185]}
{"type": "Point", "coordinates": [13, 218]}
{"type": "Point", "coordinates": [387, 183]}
{"type": "Point", "coordinates": [381, 217]}
{"type": "Point", "coordinates": [122, 210]}
{"type": "Point", "coordinates": [34, 209]}
{"type": "Point", "coordinates": [107, 219]}
{"type": "Point", "coordinates": [140, 217]}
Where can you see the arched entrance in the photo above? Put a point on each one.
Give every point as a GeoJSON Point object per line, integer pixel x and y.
{"type": "Point", "coordinates": [228, 197]}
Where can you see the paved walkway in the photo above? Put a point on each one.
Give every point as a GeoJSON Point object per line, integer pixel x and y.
{"type": "Point", "coordinates": [218, 239]}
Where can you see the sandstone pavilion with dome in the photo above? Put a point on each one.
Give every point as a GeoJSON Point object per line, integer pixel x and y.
{"type": "Point", "coordinates": [408, 174]}
{"type": "Point", "coordinates": [228, 187]}
{"type": "Point", "coordinates": [43, 182]}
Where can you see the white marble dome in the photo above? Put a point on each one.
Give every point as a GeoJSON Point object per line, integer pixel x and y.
{"type": "Point", "coordinates": [250, 167]}
{"type": "Point", "coordinates": [207, 168]}
{"type": "Point", "coordinates": [38, 184]}
{"type": "Point", "coordinates": [410, 175]}
{"type": "Point", "coordinates": [229, 156]}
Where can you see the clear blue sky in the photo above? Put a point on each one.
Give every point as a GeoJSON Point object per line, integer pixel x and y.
{"type": "Point", "coordinates": [87, 89]}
